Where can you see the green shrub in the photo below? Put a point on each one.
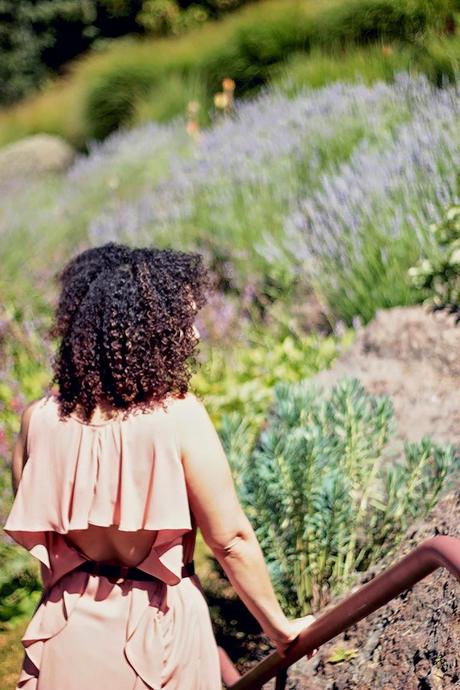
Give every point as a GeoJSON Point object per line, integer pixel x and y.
{"type": "Point", "coordinates": [317, 69]}
{"type": "Point", "coordinates": [163, 17]}
{"type": "Point", "coordinates": [111, 100]}
{"type": "Point", "coordinates": [440, 274]}
{"type": "Point", "coordinates": [437, 57]}
{"type": "Point", "coordinates": [366, 21]}
{"type": "Point", "coordinates": [253, 48]}
{"type": "Point", "coordinates": [244, 377]}
{"type": "Point", "coordinates": [20, 585]}
{"type": "Point", "coordinates": [167, 99]}
{"type": "Point", "coordinates": [38, 36]}
{"type": "Point", "coordinates": [318, 487]}
{"type": "Point", "coordinates": [247, 46]}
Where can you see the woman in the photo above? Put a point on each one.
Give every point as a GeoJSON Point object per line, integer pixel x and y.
{"type": "Point", "coordinates": [113, 473]}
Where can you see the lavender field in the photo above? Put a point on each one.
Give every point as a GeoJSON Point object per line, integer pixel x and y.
{"type": "Point", "coordinates": [333, 187]}
{"type": "Point", "coordinates": [331, 191]}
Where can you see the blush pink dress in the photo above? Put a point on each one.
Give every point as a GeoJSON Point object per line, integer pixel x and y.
{"type": "Point", "coordinates": [88, 632]}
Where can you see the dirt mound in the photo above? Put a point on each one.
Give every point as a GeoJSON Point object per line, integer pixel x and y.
{"type": "Point", "coordinates": [413, 356]}
{"type": "Point", "coordinates": [413, 334]}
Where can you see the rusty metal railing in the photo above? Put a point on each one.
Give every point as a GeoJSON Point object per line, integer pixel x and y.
{"type": "Point", "coordinates": [437, 552]}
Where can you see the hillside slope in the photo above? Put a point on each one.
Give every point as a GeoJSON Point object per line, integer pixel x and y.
{"type": "Point", "coordinates": [410, 644]}
{"type": "Point", "coordinates": [410, 354]}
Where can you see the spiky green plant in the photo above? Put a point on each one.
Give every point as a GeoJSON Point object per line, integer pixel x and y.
{"type": "Point", "coordinates": [320, 490]}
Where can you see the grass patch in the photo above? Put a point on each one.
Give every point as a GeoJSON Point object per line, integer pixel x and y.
{"type": "Point", "coordinates": [132, 78]}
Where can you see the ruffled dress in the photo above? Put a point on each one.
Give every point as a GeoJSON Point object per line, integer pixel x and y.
{"type": "Point", "coordinates": [88, 632]}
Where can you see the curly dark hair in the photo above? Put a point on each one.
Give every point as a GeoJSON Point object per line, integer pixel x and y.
{"type": "Point", "coordinates": [125, 319]}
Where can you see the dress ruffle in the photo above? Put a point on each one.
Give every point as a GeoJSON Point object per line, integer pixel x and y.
{"type": "Point", "coordinates": [128, 474]}
{"type": "Point", "coordinates": [159, 640]}
{"type": "Point", "coordinates": [125, 473]}
{"type": "Point", "coordinates": [143, 628]}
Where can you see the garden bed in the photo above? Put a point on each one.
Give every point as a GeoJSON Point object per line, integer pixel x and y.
{"type": "Point", "coordinates": [411, 355]}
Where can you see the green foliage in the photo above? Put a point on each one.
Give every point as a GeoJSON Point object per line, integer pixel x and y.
{"type": "Point", "coordinates": [410, 490]}
{"type": "Point", "coordinates": [166, 100]}
{"type": "Point", "coordinates": [22, 45]}
{"type": "Point", "coordinates": [366, 64]}
{"type": "Point", "coordinates": [37, 37]}
{"type": "Point", "coordinates": [163, 17]}
{"type": "Point", "coordinates": [20, 585]}
{"type": "Point", "coordinates": [437, 57]}
{"type": "Point", "coordinates": [166, 17]}
{"type": "Point", "coordinates": [111, 101]}
{"type": "Point", "coordinates": [341, 654]}
{"type": "Point", "coordinates": [25, 359]}
{"type": "Point", "coordinates": [235, 379]}
{"type": "Point", "coordinates": [440, 275]}
{"type": "Point", "coordinates": [372, 279]}
{"type": "Point", "coordinates": [249, 46]}
{"type": "Point", "coordinates": [319, 490]}
{"type": "Point", "coordinates": [367, 21]}
{"type": "Point", "coordinates": [255, 47]}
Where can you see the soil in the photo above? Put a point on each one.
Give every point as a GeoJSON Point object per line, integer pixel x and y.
{"type": "Point", "coordinates": [411, 355]}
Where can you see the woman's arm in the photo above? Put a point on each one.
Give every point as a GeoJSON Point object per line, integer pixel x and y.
{"type": "Point", "coordinates": [224, 525]}
{"type": "Point", "coordinates": [20, 448]}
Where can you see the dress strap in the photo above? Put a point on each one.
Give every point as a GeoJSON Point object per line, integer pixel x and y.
{"type": "Point", "coordinates": [122, 572]}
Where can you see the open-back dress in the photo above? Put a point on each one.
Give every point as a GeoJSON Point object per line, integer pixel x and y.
{"type": "Point", "coordinates": [88, 632]}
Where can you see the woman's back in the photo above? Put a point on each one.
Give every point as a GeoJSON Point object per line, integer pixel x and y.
{"type": "Point", "coordinates": [108, 486]}
{"type": "Point", "coordinates": [108, 543]}
{"type": "Point", "coordinates": [111, 491]}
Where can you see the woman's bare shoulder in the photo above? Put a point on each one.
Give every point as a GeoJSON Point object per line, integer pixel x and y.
{"type": "Point", "coordinates": [186, 404]}
{"type": "Point", "coordinates": [191, 417]}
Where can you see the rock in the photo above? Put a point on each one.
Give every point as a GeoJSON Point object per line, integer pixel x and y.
{"type": "Point", "coordinates": [33, 156]}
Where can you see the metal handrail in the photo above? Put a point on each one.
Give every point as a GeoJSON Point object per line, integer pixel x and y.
{"type": "Point", "coordinates": [434, 553]}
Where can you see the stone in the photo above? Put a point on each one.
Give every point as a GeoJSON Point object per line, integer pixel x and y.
{"type": "Point", "coordinates": [33, 156]}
